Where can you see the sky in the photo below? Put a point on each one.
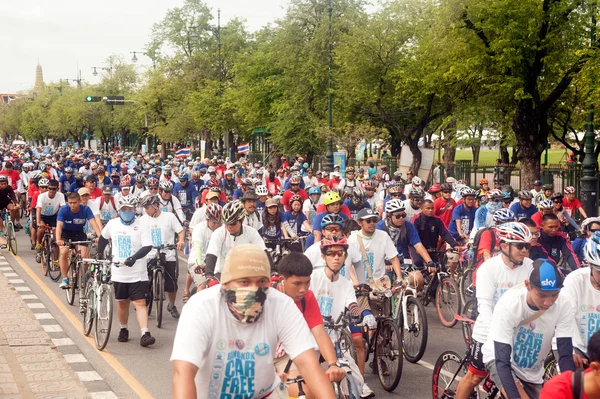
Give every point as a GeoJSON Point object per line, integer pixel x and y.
{"type": "Point", "coordinates": [67, 35]}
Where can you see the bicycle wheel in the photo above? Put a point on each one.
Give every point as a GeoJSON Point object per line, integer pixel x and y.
{"type": "Point", "coordinates": [159, 295]}
{"type": "Point", "coordinates": [467, 328]}
{"type": "Point", "coordinates": [347, 344]}
{"type": "Point", "coordinates": [415, 330]}
{"type": "Point", "coordinates": [52, 265]}
{"type": "Point", "coordinates": [104, 315]}
{"type": "Point", "coordinates": [388, 358]}
{"type": "Point", "coordinates": [466, 282]}
{"type": "Point", "coordinates": [344, 389]}
{"type": "Point", "coordinates": [72, 276]}
{"type": "Point", "coordinates": [45, 254]}
{"type": "Point", "coordinates": [447, 301]}
{"type": "Point", "coordinates": [550, 367]}
{"type": "Point", "coordinates": [12, 239]}
{"type": "Point", "coordinates": [447, 373]}
{"type": "Point", "coordinates": [89, 314]}
{"type": "Point", "coordinates": [150, 297]}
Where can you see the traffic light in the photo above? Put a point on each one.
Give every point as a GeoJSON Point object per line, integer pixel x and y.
{"type": "Point", "coordinates": [93, 99]}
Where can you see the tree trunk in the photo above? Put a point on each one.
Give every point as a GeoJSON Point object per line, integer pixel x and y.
{"type": "Point", "coordinates": [413, 145]}
{"type": "Point", "coordinates": [396, 144]}
{"type": "Point", "coordinates": [531, 131]}
{"type": "Point", "coordinates": [504, 156]}
{"type": "Point", "coordinates": [449, 145]}
{"type": "Point", "coordinates": [476, 147]}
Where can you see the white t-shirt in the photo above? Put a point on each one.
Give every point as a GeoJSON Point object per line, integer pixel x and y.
{"type": "Point", "coordinates": [172, 206]}
{"type": "Point", "coordinates": [221, 243]}
{"type": "Point", "coordinates": [107, 210]}
{"type": "Point", "coordinates": [199, 216]}
{"type": "Point", "coordinates": [235, 360]}
{"type": "Point", "coordinates": [333, 296]}
{"type": "Point", "coordinates": [50, 206]}
{"type": "Point", "coordinates": [309, 182]}
{"type": "Point", "coordinates": [313, 253]}
{"type": "Point", "coordinates": [378, 248]}
{"type": "Point", "coordinates": [410, 211]}
{"type": "Point", "coordinates": [494, 278]}
{"type": "Point", "coordinates": [126, 241]}
{"type": "Point", "coordinates": [253, 220]}
{"type": "Point", "coordinates": [530, 343]}
{"type": "Point", "coordinates": [162, 230]}
{"type": "Point", "coordinates": [585, 306]}
{"type": "Point", "coordinates": [201, 235]}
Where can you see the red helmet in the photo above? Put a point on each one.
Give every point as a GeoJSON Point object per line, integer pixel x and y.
{"type": "Point", "coordinates": [570, 190]}
{"type": "Point", "coordinates": [325, 243]}
{"type": "Point", "coordinates": [214, 183]}
{"type": "Point", "coordinates": [434, 189]}
{"type": "Point", "coordinates": [152, 181]}
{"type": "Point", "coordinates": [213, 212]}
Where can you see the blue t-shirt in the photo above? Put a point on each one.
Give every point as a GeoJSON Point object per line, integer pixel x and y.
{"type": "Point", "coordinates": [74, 221]}
{"type": "Point", "coordinates": [521, 213]}
{"type": "Point", "coordinates": [186, 195]}
{"type": "Point", "coordinates": [354, 210]}
{"type": "Point", "coordinates": [238, 193]}
{"type": "Point", "coordinates": [310, 240]}
{"type": "Point", "coordinates": [578, 244]}
{"type": "Point", "coordinates": [74, 187]}
{"type": "Point", "coordinates": [66, 183]}
{"type": "Point", "coordinates": [412, 237]}
{"type": "Point", "coordinates": [467, 218]}
{"type": "Point", "coordinates": [297, 220]}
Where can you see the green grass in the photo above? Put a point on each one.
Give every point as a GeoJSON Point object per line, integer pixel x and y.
{"type": "Point", "coordinates": [488, 157]}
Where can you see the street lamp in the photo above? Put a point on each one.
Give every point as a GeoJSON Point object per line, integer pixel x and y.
{"type": "Point", "coordinates": [329, 156]}
{"type": "Point", "coordinates": [95, 73]}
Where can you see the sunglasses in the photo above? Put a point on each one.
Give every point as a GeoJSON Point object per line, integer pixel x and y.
{"type": "Point", "coordinates": [294, 185]}
{"type": "Point", "coordinates": [557, 201]}
{"type": "Point", "coordinates": [333, 229]}
{"type": "Point", "coordinates": [399, 215]}
{"type": "Point", "coordinates": [53, 188]}
{"type": "Point", "coordinates": [507, 201]}
{"type": "Point", "coordinates": [152, 188]}
{"type": "Point", "coordinates": [338, 253]}
{"type": "Point", "coordinates": [370, 220]}
{"type": "Point", "coordinates": [523, 245]}
{"type": "Point", "coordinates": [395, 195]}
{"type": "Point", "coordinates": [446, 192]}
{"type": "Point", "coordinates": [594, 230]}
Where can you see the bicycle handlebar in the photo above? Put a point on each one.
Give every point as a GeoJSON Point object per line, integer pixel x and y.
{"type": "Point", "coordinates": [164, 247]}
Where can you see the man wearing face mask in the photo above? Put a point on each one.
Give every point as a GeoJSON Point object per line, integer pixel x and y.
{"type": "Point", "coordinates": [245, 311]}
{"type": "Point", "coordinates": [131, 242]}
{"type": "Point", "coordinates": [484, 216]}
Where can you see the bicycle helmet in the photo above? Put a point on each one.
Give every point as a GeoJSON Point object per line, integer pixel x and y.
{"type": "Point", "coordinates": [68, 170]}
{"type": "Point", "coordinates": [446, 187]}
{"type": "Point", "coordinates": [395, 189]}
{"type": "Point", "coordinates": [547, 187]}
{"type": "Point", "coordinates": [350, 169]}
{"type": "Point", "coordinates": [537, 183]}
{"type": "Point", "coordinates": [546, 204]}
{"type": "Point", "coordinates": [507, 195]}
{"type": "Point", "coordinates": [42, 183]}
{"type": "Point", "coordinates": [233, 212]}
{"type": "Point", "coordinates": [513, 232]}
{"type": "Point", "coordinates": [493, 194]}
{"type": "Point", "coordinates": [557, 196]}
{"type": "Point", "coordinates": [246, 181]}
{"type": "Point", "coordinates": [314, 191]}
{"type": "Point", "coordinates": [434, 189]}
{"type": "Point", "coordinates": [525, 195]}
{"type": "Point", "coordinates": [394, 205]}
{"type": "Point", "coordinates": [369, 185]}
{"type": "Point", "coordinates": [331, 197]}
{"type": "Point", "coordinates": [376, 178]}
{"type": "Point", "coordinates": [36, 174]}
{"type": "Point", "coordinates": [261, 191]}
{"type": "Point", "coordinates": [416, 193]}
{"type": "Point", "coordinates": [183, 176]}
{"type": "Point", "coordinates": [332, 218]}
{"type": "Point", "coordinates": [326, 243]}
{"type": "Point", "coordinates": [213, 183]}
{"type": "Point", "coordinates": [294, 180]}
{"type": "Point", "coordinates": [5, 178]}
{"type": "Point", "coordinates": [213, 212]}
{"type": "Point", "coordinates": [467, 191]}
{"type": "Point", "coordinates": [166, 186]}
{"type": "Point", "coordinates": [483, 181]}
{"type": "Point", "coordinates": [140, 178]}
{"type": "Point", "coordinates": [503, 215]}
{"type": "Point", "coordinates": [153, 181]}
{"type": "Point", "coordinates": [127, 200]}
{"type": "Point", "coordinates": [570, 190]}
{"type": "Point", "coordinates": [586, 222]}
{"type": "Point", "coordinates": [150, 200]}
{"type": "Point", "coordinates": [416, 181]}
{"type": "Point", "coordinates": [296, 198]}
{"type": "Point", "coordinates": [358, 196]}
{"type": "Point", "coordinates": [591, 251]}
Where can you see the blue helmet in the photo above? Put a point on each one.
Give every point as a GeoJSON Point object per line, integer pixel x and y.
{"type": "Point", "coordinates": [332, 218]}
{"type": "Point", "coordinates": [591, 250]}
{"type": "Point", "coordinates": [314, 190]}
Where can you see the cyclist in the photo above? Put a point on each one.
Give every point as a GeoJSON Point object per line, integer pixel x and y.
{"type": "Point", "coordinates": [201, 234]}
{"type": "Point", "coordinates": [131, 242]}
{"type": "Point", "coordinates": [229, 185]}
{"type": "Point", "coordinates": [310, 180]}
{"type": "Point", "coordinates": [484, 187]}
{"type": "Point", "coordinates": [373, 199]}
{"type": "Point", "coordinates": [333, 204]}
{"type": "Point", "coordinates": [47, 205]}
{"type": "Point", "coordinates": [524, 208]}
{"type": "Point", "coordinates": [163, 226]}
{"type": "Point", "coordinates": [484, 216]}
{"type": "Point", "coordinates": [522, 326]}
{"type": "Point", "coordinates": [494, 277]}
{"type": "Point", "coordinates": [546, 194]}
{"type": "Point", "coordinates": [292, 222]}
{"type": "Point", "coordinates": [537, 188]}
{"type": "Point", "coordinates": [444, 205]}
{"type": "Point", "coordinates": [589, 227]}
{"type": "Point", "coordinates": [240, 310]}
{"type": "Point", "coordinates": [572, 204]}
{"type": "Point", "coordinates": [272, 224]}
{"type": "Point", "coordinates": [263, 194]}
{"type": "Point", "coordinates": [555, 243]}
{"type": "Point", "coordinates": [293, 190]}
{"type": "Point", "coordinates": [463, 217]}
{"type": "Point", "coordinates": [168, 203]}
{"type": "Point", "coordinates": [246, 184]}
{"type": "Point", "coordinates": [186, 194]}
{"type": "Point", "coordinates": [90, 184]}
{"type": "Point", "coordinates": [106, 205]}
{"type": "Point", "coordinates": [125, 191]}
{"type": "Point", "coordinates": [233, 233]}
{"type": "Point", "coordinates": [70, 225]}
{"type": "Point", "coordinates": [79, 183]}
{"type": "Point", "coordinates": [9, 201]}
{"type": "Point", "coordinates": [435, 191]}
{"type": "Point", "coordinates": [84, 194]}
{"type": "Point", "coordinates": [357, 201]}
{"type": "Point", "coordinates": [309, 208]}
{"type": "Point", "coordinates": [413, 204]}
{"type": "Point", "coordinates": [545, 207]}
{"type": "Point", "coordinates": [335, 294]}
{"type": "Point", "coordinates": [252, 218]}
{"type": "Point", "coordinates": [212, 197]}
{"type": "Point", "coordinates": [66, 180]}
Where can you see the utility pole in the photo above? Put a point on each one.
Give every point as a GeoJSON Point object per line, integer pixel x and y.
{"type": "Point", "coordinates": [589, 181]}
{"type": "Point", "coordinates": [329, 157]}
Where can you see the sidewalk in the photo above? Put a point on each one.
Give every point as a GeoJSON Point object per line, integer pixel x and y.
{"type": "Point", "coordinates": [33, 363]}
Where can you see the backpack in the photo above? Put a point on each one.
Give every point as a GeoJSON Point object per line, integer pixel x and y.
{"type": "Point", "coordinates": [112, 201]}
{"type": "Point", "coordinates": [577, 383]}
{"type": "Point", "coordinates": [474, 260]}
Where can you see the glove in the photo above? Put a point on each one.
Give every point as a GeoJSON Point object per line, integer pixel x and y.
{"type": "Point", "coordinates": [431, 264]}
{"type": "Point", "coordinates": [370, 321]}
{"type": "Point", "coordinates": [212, 281]}
{"type": "Point", "coordinates": [197, 270]}
{"type": "Point", "coordinates": [130, 261]}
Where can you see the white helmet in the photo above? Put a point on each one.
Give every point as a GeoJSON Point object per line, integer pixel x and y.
{"type": "Point", "coordinates": [261, 191]}
{"type": "Point", "coordinates": [591, 250]}
{"type": "Point", "coordinates": [416, 181]}
{"type": "Point", "coordinates": [127, 200]}
{"type": "Point", "coordinates": [394, 205]}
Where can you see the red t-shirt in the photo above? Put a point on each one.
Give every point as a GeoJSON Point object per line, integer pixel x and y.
{"type": "Point", "coordinates": [570, 206]}
{"type": "Point", "coordinates": [34, 199]}
{"type": "Point", "coordinates": [222, 198]}
{"type": "Point", "coordinates": [311, 311]}
{"type": "Point", "coordinates": [440, 210]}
{"type": "Point", "coordinates": [13, 177]}
{"type": "Point", "coordinates": [333, 183]}
{"type": "Point", "coordinates": [285, 201]}
{"type": "Point", "coordinates": [537, 218]}
{"type": "Point", "coordinates": [96, 193]}
{"type": "Point", "coordinates": [274, 186]}
{"type": "Point", "coordinates": [560, 387]}
{"type": "Point", "coordinates": [344, 209]}
{"type": "Point", "coordinates": [485, 242]}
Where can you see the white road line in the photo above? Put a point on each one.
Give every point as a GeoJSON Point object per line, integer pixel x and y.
{"type": "Point", "coordinates": [86, 376]}
{"type": "Point", "coordinates": [62, 341]}
{"type": "Point", "coordinates": [22, 289]}
{"type": "Point", "coordinates": [52, 328]}
{"type": "Point", "coordinates": [35, 305]}
{"type": "Point", "coordinates": [75, 358]}
{"type": "Point", "coordinates": [103, 395]}
{"type": "Point", "coordinates": [43, 316]}
{"type": "Point", "coordinates": [16, 281]}
{"type": "Point", "coordinates": [29, 296]}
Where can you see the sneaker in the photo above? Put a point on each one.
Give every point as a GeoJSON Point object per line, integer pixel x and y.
{"type": "Point", "coordinates": [173, 310]}
{"type": "Point", "coordinates": [123, 335]}
{"type": "Point", "coordinates": [366, 392]}
{"type": "Point", "coordinates": [147, 340]}
{"type": "Point", "coordinates": [18, 227]}
{"type": "Point", "coordinates": [82, 305]}
{"type": "Point", "coordinates": [64, 284]}
{"type": "Point", "coordinates": [32, 247]}
{"type": "Point", "coordinates": [38, 248]}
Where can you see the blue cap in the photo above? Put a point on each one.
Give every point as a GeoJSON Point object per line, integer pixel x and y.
{"type": "Point", "coordinates": [546, 276]}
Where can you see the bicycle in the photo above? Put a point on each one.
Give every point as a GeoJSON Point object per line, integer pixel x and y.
{"type": "Point", "coordinates": [9, 232]}
{"type": "Point", "coordinates": [412, 320]}
{"type": "Point", "coordinates": [96, 302]}
{"type": "Point", "coordinates": [75, 273]}
{"type": "Point", "coordinates": [156, 276]}
{"type": "Point", "coordinates": [280, 251]}
{"type": "Point", "coordinates": [386, 341]}
{"type": "Point", "coordinates": [49, 256]}
{"type": "Point", "coordinates": [343, 342]}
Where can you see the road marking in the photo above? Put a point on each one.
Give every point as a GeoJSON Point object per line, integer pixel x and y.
{"type": "Point", "coordinates": [22, 288]}
{"type": "Point", "coordinates": [35, 306]}
{"type": "Point", "coordinates": [52, 328]}
{"type": "Point", "coordinates": [86, 376]}
{"type": "Point", "coordinates": [62, 341]}
{"type": "Point", "coordinates": [104, 395]}
{"type": "Point", "coordinates": [75, 358]}
{"type": "Point", "coordinates": [425, 364]}
{"type": "Point", "coordinates": [112, 361]}
{"type": "Point", "coordinates": [29, 296]}
{"type": "Point", "coordinates": [43, 316]}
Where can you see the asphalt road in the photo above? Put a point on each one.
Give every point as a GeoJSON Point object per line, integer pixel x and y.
{"type": "Point", "coordinates": [133, 371]}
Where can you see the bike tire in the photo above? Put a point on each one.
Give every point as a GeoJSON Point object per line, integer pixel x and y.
{"type": "Point", "coordinates": [467, 328]}
{"type": "Point", "coordinates": [12, 239]}
{"type": "Point", "coordinates": [447, 301]}
{"type": "Point", "coordinates": [415, 333]}
{"type": "Point", "coordinates": [72, 276]}
{"type": "Point", "coordinates": [466, 280]}
{"type": "Point", "coordinates": [347, 344]}
{"type": "Point", "coordinates": [159, 296]}
{"type": "Point", "coordinates": [89, 314]}
{"type": "Point", "coordinates": [53, 268]}
{"type": "Point", "coordinates": [45, 255]}
{"type": "Point", "coordinates": [150, 298]}
{"type": "Point", "coordinates": [550, 367]}
{"type": "Point", "coordinates": [343, 389]}
{"type": "Point", "coordinates": [104, 315]}
{"type": "Point", "coordinates": [388, 353]}
{"type": "Point", "coordinates": [447, 372]}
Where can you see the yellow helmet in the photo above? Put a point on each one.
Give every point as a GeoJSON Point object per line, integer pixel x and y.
{"type": "Point", "coordinates": [331, 197]}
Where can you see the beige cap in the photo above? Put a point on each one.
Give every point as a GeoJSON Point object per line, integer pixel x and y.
{"type": "Point", "coordinates": [247, 260]}
{"type": "Point", "coordinates": [84, 191]}
{"type": "Point", "coordinates": [212, 194]}
{"type": "Point", "coordinates": [271, 202]}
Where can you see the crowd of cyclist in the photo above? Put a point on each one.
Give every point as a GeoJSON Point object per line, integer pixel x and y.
{"type": "Point", "coordinates": [340, 231]}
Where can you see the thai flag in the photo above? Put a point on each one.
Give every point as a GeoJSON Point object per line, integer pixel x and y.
{"type": "Point", "coordinates": [244, 148]}
{"type": "Point", "coordinates": [183, 153]}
